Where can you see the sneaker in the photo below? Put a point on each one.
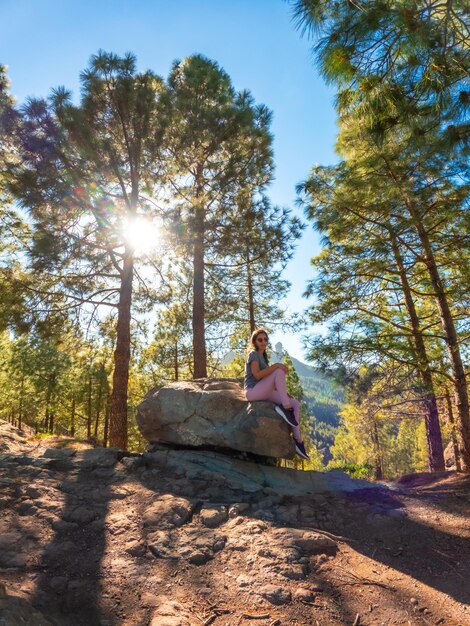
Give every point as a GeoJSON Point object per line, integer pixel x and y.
{"type": "Point", "coordinates": [300, 449]}
{"type": "Point", "coordinates": [286, 414]}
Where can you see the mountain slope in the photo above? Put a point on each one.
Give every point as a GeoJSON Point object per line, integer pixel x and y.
{"type": "Point", "coordinates": [324, 398]}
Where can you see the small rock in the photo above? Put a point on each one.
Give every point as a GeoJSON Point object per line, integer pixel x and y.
{"type": "Point", "coordinates": [256, 527]}
{"type": "Point", "coordinates": [97, 458]}
{"type": "Point", "coordinates": [162, 545]}
{"type": "Point", "coordinates": [135, 548]}
{"type": "Point", "coordinates": [213, 516]}
{"type": "Point", "coordinates": [265, 515]}
{"type": "Point", "coordinates": [33, 493]}
{"type": "Point", "coordinates": [314, 543]}
{"type": "Point", "coordinates": [205, 591]}
{"type": "Point", "coordinates": [62, 525]}
{"type": "Point", "coordinates": [26, 508]}
{"type": "Point", "coordinates": [16, 611]}
{"type": "Point", "coordinates": [319, 559]}
{"type": "Point", "coordinates": [199, 558]}
{"type": "Point", "coordinates": [244, 581]}
{"type": "Point", "coordinates": [236, 509]}
{"type": "Point", "coordinates": [275, 594]}
{"type": "Point", "coordinates": [97, 526]}
{"type": "Point", "coordinates": [117, 523]}
{"type": "Point", "coordinates": [219, 544]}
{"type": "Point", "coordinates": [169, 613]}
{"type": "Point", "coordinates": [305, 595]}
{"type": "Point", "coordinates": [294, 572]}
{"type": "Point", "coordinates": [168, 512]}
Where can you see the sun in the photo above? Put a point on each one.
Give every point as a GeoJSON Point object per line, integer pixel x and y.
{"type": "Point", "coordinates": [142, 234]}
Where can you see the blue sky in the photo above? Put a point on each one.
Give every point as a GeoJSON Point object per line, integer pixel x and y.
{"type": "Point", "coordinates": [46, 43]}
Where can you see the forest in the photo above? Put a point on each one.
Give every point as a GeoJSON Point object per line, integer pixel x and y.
{"type": "Point", "coordinates": [130, 253]}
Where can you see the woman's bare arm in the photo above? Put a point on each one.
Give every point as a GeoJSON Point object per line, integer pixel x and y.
{"type": "Point", "coordinates": [259, 373]}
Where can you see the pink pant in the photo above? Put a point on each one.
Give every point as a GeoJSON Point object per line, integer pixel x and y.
{"type": "Point", "coordinates": [273, 389]}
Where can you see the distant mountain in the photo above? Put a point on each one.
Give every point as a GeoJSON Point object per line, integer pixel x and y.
{"type": "Point", "coordinates": [324, 398]}
{"type": "Point", "coordinates": [318, 386]}
{"type": "Point", "coordinates": [303, 369]}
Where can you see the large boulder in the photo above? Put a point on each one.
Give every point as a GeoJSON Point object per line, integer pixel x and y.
{"type": "Point", "coordinates": [212, 412]}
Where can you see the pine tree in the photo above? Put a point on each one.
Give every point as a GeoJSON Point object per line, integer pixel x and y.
{"type": "Point", "coordinates": [14, 233]}
{"type": "Point", "coordinates": [219, 144]}
{"type": "Point", "coordinates": [88, 171]}
{"type": "Point", "coordinates": [400, 72]}
{"type": "Point", "coordinates": [256, 244]}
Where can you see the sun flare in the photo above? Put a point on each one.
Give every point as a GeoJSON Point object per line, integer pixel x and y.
{"type": "Point", "coordinates": [142, 234]}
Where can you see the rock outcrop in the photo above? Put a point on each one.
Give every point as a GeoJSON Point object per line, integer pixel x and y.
{"type": "Point", "coordinates": [185, 537]}
{"type": "Point", "coordinates": [213, 413]}
{"type": "Point", "coordinates": [220, 473]}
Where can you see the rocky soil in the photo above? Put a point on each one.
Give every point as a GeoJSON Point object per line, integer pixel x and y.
{"type": "Point", "coordinates": [92, 537]}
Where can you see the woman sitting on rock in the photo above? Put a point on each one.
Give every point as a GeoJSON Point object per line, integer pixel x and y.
{"type": "Point", "coordinates": [268, 382]}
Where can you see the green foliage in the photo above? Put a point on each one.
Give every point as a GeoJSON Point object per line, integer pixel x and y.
{"type": "Point", "coordinates": [219, 162]}
{"type": "Point", "coordinates": [364, 471]}
{"type": "Point", "coordinates": [294, 388]}
{"type": "Point", "coordinates": [324, 397]}
{"type": "Point", "coordinates": [395, 208]}
{"type": "Point", "coordinates": [404, 64]}
{"type": "Point", "coordinates": [14, 231]}
{"type": "Point", "coordinates": [382, 426]}
{"type": "Point", "coordinates": [191, 152]}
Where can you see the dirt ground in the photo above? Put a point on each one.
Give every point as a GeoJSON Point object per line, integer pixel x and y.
{"type": "Point", "coordinates": [101, 541]}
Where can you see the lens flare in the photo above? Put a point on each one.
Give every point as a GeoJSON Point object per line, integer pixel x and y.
{"type": "Point", "coordinates": [141, 234]}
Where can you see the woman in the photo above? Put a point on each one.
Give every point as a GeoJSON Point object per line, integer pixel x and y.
{"type": "Point", "coordinates": [268, 382]}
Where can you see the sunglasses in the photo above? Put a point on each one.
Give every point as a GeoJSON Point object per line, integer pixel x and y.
{"type": "Point", "coordinates": [263, 339]}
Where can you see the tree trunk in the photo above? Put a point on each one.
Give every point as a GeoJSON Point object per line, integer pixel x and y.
{"type": "Point", "coordinates": [251, 304]}
{"type": "Point", "coordinates": [106, 420]}
{"type": "Point", "coordinates": [453, 434]}
{"type": "Point", "coordinates": [453, 350]}
{"type": "Point", "coordinates": [72, 418]}
{"type": "Point", "coordinates": [20, 409]}
{"type": "Point", "coordinates": [88, 422]}
{"type": "Point", "coordinates": [98, 406]}
{"type": "Point", "coordinates": [433, 428]}
{"type": "Point", "coordinates": [50, 382]}
{"type": "Point", "coordinates": [378, 468]}
{"type": "Point", "coordinates": [176, 362]}
{"type": "Point", "coordinates": [199, 332]}
{"type": "Point", "coordinates": [447, 323]}
{"type": "Point", "coordinates": [122, 356]}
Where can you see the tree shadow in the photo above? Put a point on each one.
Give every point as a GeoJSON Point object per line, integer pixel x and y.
{"type": "Point", "coordinates": [70, 570]}
{"type": "Point", "coordinates": [375, 527]}
{"type": "Point", "coordinates": [68, 587]}
{"type": "Point", "coordinates": [378, 527]}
